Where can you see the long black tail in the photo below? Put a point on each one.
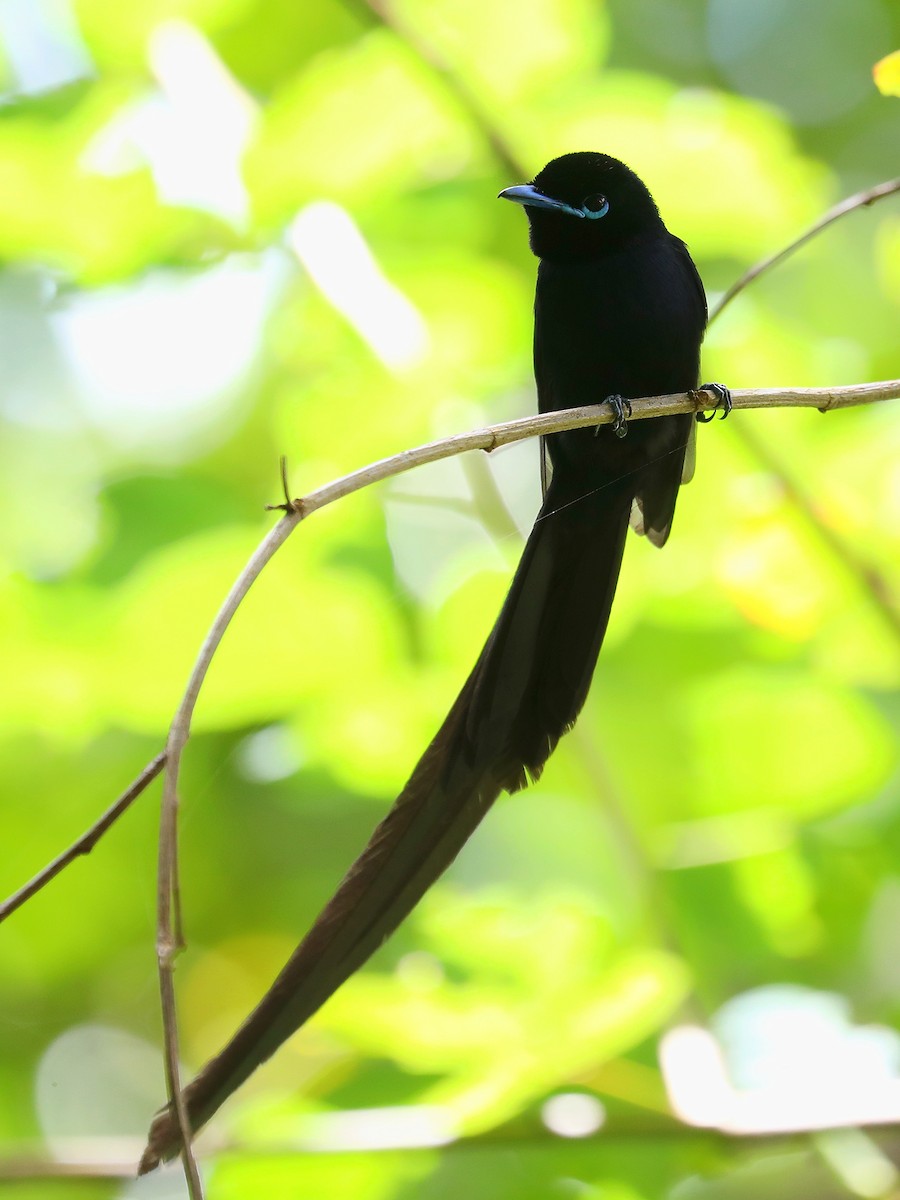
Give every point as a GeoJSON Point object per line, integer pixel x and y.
{"type": "Point", "coordinates": [524, 692]}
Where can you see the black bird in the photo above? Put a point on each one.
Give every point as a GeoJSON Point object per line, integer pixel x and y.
{"type": "Point", "coordinates": [619, 312]}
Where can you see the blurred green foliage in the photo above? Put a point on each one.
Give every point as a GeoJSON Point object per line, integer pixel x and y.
{"type": "Point", "coordinates": [172, 319]}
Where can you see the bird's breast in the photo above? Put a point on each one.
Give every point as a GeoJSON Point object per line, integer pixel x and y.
{"type": "Point", "coordinates": [628, 324]}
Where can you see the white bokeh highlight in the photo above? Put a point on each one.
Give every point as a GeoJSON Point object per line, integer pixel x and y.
{"type": "Point", "coordinates": [786, 1059]}
{"type": "Point", "coordinates": [573, 1114]}
{"type": "Point", "coordinates": [335, 254]}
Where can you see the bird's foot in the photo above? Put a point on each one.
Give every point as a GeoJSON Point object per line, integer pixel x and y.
{"type": "Point", "coordinates": [724, 403]}
{"type": "Point", "coordinates": [621, 411]}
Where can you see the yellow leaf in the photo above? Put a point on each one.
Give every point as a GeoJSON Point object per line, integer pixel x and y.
{"type": "Point", "coordinates": [886, 74]}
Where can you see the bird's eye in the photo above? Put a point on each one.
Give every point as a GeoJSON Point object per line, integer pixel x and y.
{"type": "Point", "coordinates": [595, 206]}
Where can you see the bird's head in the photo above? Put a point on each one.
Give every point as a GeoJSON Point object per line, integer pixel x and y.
{"type": "Point", "coordinates": [584, 205]}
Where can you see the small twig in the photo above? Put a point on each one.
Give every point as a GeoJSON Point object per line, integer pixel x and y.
{"type": "Point", "coordinates": [87, 841]}
{"type": "Point", "coordinates": [285, 486]}
{"type": "Point", "coordinates": [287, 503]}
{"type": "Point", "coordinates": [859, 200]}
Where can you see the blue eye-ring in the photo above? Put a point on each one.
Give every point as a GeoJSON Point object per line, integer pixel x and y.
{"type": "Point", "coordinates": [595, 206]}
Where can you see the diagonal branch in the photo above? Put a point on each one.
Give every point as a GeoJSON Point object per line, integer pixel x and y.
{"type": "Point", "coordinates": [428, 53]}
{"type": "Point", "coordinates": [87, 841]}
{"type": "Point", "coordinates": [851, 204]}
{"type": "Point", "coordinates": [843, 550]}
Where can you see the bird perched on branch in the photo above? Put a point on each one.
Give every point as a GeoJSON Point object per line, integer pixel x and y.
{"type": "Point", "coordinates": [619, 313]}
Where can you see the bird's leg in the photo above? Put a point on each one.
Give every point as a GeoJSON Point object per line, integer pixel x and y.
{"type": "Point", "coordinates": [723, 401]}
{"type": "Point", "coordinates": [621, 410]}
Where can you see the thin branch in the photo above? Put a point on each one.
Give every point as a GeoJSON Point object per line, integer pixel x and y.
{"type": "Point", "coordinates": [872, 582]}
{"type": "Point", "coordinates": [169, 938]}
{"type": "Point", "coordinates": [494, 436]}
{"type": "Point", "coordinates": [464, 96]}
{"type": "Point", "coordinates": [453, 504]}
{"type": "Point", "coordinates": [487, 499]}
{"type": "Point", "coordinates": [29, 1162]}
{"type": "Point", "coordinates": [35, 1166]}
{"type": "Point", "coordinates": [859, 200]}
{"type": "Point", "coordinates": [87, 841]}
{"type": "Point", "coordinates": [484, 439]}
{"type": "Point", "coordinates": [867, 576]}
{"type": "Point", "coordinates": [632, 853]}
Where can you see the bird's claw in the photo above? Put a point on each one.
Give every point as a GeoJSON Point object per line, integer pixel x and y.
{"type": "Point", "coordinates": [621, 411]}
{"type": "Point", "coordinates": [724, 403]}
